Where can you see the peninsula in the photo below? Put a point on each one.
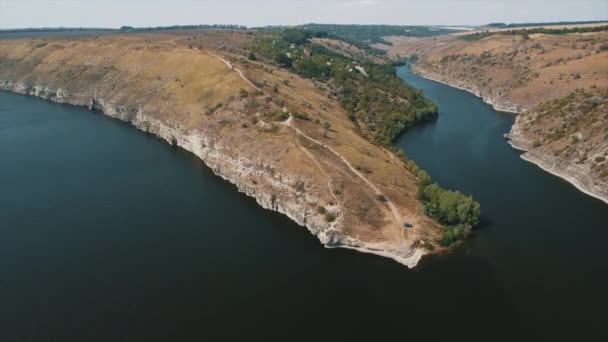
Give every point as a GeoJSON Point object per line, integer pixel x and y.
{"type": "Point", "coordinates": [272, 113]}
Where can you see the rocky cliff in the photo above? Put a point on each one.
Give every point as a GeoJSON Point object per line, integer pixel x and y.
{"type": "Point", "coordinates": [493, 97]}
{"type": "Point", "coordinates": [192, 99]}
{"type": "Point", "coordinates": [569, 138]}
{"type": "Point", "coordinates": [511, 72]}
{"type": "Point", "coordinates": [561, 128]}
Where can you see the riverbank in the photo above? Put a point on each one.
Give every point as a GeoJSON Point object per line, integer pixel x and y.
{"type": "Point", "coordinates": [575, 175]}
{"type": "Point", "coordinates": [234, 170]}
{"type": "Point", "coordinates": [499, 105]}
{"type": "Point", "coordinates": [579, 182]}
{"type": "Point", "coordinates": [570, 171]}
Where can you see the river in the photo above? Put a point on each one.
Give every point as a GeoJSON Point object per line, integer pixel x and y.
{"type": "Point", "coordinates": [542, 239]}
{"type": "Point", "coordinates": [109, 234]}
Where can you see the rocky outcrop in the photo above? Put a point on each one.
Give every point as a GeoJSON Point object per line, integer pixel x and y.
{"type": "Point", "coordinates": [570, 167]}
{"type": "Point", "coordinates": [510, 72]}
{"type": "Point", "coordinates": [579, 158]}
{"type": "Point", "coordinates": [489, 96]}
{"type": "Point", "coordinates": [272, 189]}
{"type": "Point", "coordinates": [225, 110]}
{"type": "Point", "coordinates": [577, 175]}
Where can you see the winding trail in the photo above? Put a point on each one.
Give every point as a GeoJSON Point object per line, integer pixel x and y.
{"type": "Point", "coordinates": [397, 218]}
{"type": "Point", "coordinates": [394, 210]}
{"type": "Point", "coordinates": [329, 183]}
{"type": "Point", "coordinates": [235, 69]}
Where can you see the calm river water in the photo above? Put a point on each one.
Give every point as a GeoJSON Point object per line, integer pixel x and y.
{"type": "Point", "coordinates": [108, 234]}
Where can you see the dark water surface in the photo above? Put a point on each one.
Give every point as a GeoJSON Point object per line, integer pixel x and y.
{"type": "Point", "coordinates": [543, 241]}
{"type": "Point", "coordinates": [108, 234]}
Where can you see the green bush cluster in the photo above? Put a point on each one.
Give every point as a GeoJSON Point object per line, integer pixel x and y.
{"type": "Point", "coordinates": [456, 212]}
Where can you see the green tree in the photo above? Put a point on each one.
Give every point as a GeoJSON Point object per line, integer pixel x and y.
{"type": "Point", "coordinates": [282, 60]}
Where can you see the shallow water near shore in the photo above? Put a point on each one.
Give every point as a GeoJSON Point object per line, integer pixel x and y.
{"type": "Point", "coordinates": [107, 233]}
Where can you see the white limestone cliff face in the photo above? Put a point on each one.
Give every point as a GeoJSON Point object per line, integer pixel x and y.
{"type": "Point", "coordinates": [212, 153]}
{"type": "Point", "coordinates": [578, 174]}
{"type": "Point", "coordinates": [488, 96]}
{"type": "Point", "coordinates": [274, 190]}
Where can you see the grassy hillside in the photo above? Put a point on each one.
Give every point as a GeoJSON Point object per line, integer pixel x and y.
{"type": "Point", "coordinates": [521, 71]}
{"type": "Point", "coordinates": [378, 102]}
{"type": "Point", "coordinates": [380, 105]}
{"type": "Point", "coordinates": [572, 126]}
{"type": "Point", "coordinates": [363, 36]}
{"type": "Point", "coordinates": [179, 79]}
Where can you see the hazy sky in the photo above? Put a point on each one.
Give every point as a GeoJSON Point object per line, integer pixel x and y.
{"type": "Point", "coordinates": [115, 13]}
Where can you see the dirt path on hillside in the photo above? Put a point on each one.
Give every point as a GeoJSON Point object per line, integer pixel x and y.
{"type": "Point", "coordinates": [233, 68]}
{"type": "Point", "coordinates": [391, 205]}
{"type": "Point", "coordinates": [289, 122]}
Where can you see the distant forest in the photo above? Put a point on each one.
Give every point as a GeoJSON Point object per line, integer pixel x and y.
{"type": "Point", "coordinates": [370, 34]}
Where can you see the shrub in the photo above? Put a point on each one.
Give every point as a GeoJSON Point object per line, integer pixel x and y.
{"type": "Point", "coordinates": [282, 60]}
{"type": "Point", "coordinates": [457, 212]}
{"type": "Point", "coordinates": [301, 116]}
{"type": "Point", "coordinates": [329, 217]}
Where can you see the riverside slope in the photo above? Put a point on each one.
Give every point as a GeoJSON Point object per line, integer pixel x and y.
{"type": "Point", "coordinates": [517, 75]}
{"type": "Point", "coordinates": [569, 169]}
{"type": "Point", "coordinates": [567, 137]}
{"type": "Point", "coordinates": [191, 99]}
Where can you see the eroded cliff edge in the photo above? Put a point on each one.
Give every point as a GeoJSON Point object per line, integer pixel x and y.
{"type": "Point", "coordinates": [194, 100]}
{"type": "Point", "coordinates": [568, 137]}
{"type": "Point", "coordinates": [539, 77]}
{"type": "Point", "coordinates": [513, 73]}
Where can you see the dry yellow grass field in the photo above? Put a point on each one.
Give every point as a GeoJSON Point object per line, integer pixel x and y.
{"type": "Point", "coordinates": [523, 72]}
